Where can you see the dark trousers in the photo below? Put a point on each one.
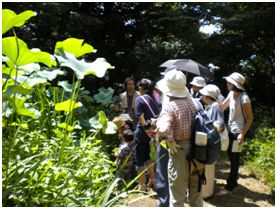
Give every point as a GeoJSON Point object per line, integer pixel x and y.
{"type": "Point", "coordinates": [162, 187]}
{"type": "Point", "coordinates": [234, 158]}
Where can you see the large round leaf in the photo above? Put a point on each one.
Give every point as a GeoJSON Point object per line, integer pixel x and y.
{"type": "Point", "coordinates": [81, 67]}
{"type": "Point", "coordinates": [11, 19]}
{"type": "Point", "coordinates": [19, 54]}
{"type": "Point", "coordinates": [67, 105]}
{"type": "Point", "coordinates": [75, 46]}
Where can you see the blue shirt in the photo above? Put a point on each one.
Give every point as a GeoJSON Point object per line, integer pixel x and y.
{"type": "Point", "coordinates": [142, 107]}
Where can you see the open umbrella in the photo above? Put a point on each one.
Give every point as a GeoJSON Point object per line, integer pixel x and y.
{"type": "Point", "coordinates": [188, 65]}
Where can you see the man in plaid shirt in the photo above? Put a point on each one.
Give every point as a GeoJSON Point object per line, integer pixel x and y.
{"type": "Point", "coordinates": [174, 125]}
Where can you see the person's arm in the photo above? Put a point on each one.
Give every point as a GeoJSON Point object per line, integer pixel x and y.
{"type": "Point", "coordinates": [247, 109]}
{"type": "Point", "coordinates": [225, 104]}
{"type": "Point", "coordinates": [218, 118]}
{"type": "Point", "coordinates": [142, 120]}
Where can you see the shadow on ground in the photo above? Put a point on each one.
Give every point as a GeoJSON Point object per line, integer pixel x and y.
{"type": "Point", "coordinates": [249, 193]}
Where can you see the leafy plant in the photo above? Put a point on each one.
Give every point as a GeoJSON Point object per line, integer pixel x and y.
{"type": "Point", "coordinates": [259, 153]}
{"type": "Point", "coordinates": [48, 160]}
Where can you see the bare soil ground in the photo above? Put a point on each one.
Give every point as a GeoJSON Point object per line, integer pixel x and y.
{"type": "Point", "coordinates": [251, 192]}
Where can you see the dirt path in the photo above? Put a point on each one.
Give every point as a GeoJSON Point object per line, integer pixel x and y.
{"type": "Point", "coordinates": [251, 192]}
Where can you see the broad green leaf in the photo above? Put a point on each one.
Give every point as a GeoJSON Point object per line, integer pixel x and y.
{"type": "Point", "coordinates": [19, 53]}
{"type": "Point", "coordinates": [75, 46]}
{"type": "Point", "coordinates": [81, 67]}
{"type": "Point", "coordinates": [111, 128]}
{"type": "Point", "coordinates": [67, 105]}
{"type": "Point", "coordinates": [103, 119]}
{"type": "Point", "coordinates": [105, 96]}
{"type": "Point", "coordinates": [11, 19]}
{"type": "Point", "coordinates": [9, 82]}
{"type": "Point", "coordinates": [29, 82]}
{"type": "Point", "coordinates": [22, 125]}
{"type": "Point", "coordinates": [50, 75]}
{"type": "Point", "coordinates": [68, 127]}
{"type": "Point", "coordinates": [8, 71]}
{"type": "Point", "coordinates": [66, 86]}
{"type": "Point", "coordinates": [94, 122]}
{"type": "Point", "coordinates": [108, 127]}
{"type": "Point", "coordinates": [21, 109]}
{"type": "Point", "coordinates": [29, 68]}
{"type": "Point", "coordinates": [11, 90]}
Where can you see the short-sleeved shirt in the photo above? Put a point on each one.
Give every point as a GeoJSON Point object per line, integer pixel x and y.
{"type": "Point", "coordinates": [142, 107]}
{"type": "Point", "coordinates": [236, 118]}
{"type": "Point", "coordinates": [176, 119]}
{"type": "Point", "coordinates": [215, 113]}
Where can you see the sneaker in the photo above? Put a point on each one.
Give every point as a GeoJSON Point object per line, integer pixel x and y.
{"type": "Point", "coordinates": [223, 192]}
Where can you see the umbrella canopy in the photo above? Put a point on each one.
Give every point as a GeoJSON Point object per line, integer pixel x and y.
{"type": "Point", "coordinates": [188, 65]}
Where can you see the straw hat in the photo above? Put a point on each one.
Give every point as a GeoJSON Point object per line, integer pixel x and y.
{"type": "Point", "coordinates": [211, 90]}
{"type": "Point", "coordinates": [237, 79]}
{"type": "Point", "coordinates": [173, 84]}
{"type": "Point", "coordinates": [198, 81]}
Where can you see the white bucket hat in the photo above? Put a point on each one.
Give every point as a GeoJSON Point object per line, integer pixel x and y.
{"type": "Point", "coordinates": [211, 90]}
{"type": "Point", "coordinates": [237, 79]}
{"type": "Point", "coordinates": [198, 81]}
{"type": "Point", "coordinates": [173, 84]}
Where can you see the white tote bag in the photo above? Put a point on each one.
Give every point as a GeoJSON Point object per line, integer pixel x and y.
{"type": "Point", "coordinates": [224, 139]}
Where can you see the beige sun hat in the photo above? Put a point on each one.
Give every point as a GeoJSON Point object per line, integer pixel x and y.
{"type": "Point", "coordinates": [198, 81]}
{"type": "Point", "coordinates": [237, 79]}
{"type": "Point", "coordinates": [173, 84]}
{"type": "Point", "coordinates": [211, 90]}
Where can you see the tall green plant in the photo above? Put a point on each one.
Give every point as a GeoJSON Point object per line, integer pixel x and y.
{"type": "Point", "coordinates": [48, 160]}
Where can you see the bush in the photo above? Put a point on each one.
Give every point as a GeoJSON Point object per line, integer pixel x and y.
{"type": "Point", "coordinates": [259, 153]}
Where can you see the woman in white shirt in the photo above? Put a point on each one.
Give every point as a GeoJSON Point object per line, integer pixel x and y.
{"type": "Point", "coordinates": [239, 121]}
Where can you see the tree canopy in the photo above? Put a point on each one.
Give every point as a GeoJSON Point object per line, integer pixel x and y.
{"type": "Point", "coordinates": [137, 37]}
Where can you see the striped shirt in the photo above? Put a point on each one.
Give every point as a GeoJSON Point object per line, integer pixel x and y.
{"type": "Point", "coordinates": [176, 118]}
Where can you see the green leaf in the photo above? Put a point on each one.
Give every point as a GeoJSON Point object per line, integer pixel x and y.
{"type": "Point", "coordinates": [105, 96]}
{"type": "Point", "coordinates": [103, 119]}
{"type": "Point", "coordinates": [29, 68]}
{"type": "Point", "coordinates": [66, 86]}
{"type": "Point", "coordinates": [66, 127]}
{"type": "Point", "coordinates": [94, 122]}
{"type": "Point", "coordinates": [111, 128]}
{"type": "Point", "coordinates": [50, 75]}
{"type": "Point", "coordinates": [11, 19]}
{"type": "Point", "coordinates": [29, 82]}
{"type": "Point", "coordinates": [19, 53]}
{"type": "Point", "coordinates": [75, 46]}
{"type": "Point", "coordinates": [21, 109]}
{"type": "Point", "coordinates": [17, 90]}
{"type": "Point", "coordinates": [67, 105]}
{"type": "Point", "coordinates": [81, 67]}
{"type": "Point", "coordinates": [8, 71]}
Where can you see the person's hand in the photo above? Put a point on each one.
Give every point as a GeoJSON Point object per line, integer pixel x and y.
{"type": "Point", "coordinates": [151, 132]}
{"type": "Point", "coordinates": [173, 147]}
{"type": "Point", "coordinates": [218, 127]}
{"type": "Point", "coordinates": [154, 122]}
{"type": "Point", "coordinates": [240, 138]}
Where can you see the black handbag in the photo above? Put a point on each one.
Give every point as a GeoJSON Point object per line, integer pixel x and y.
{"type": "Point", "coordinates": [251, 131]}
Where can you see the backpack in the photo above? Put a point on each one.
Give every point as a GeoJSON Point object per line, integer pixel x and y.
{"type": "Point", "coordinates": [207, 153]}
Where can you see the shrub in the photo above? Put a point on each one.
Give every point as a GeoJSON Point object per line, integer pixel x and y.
{"type": "Point", "coordinates": [259, 153]}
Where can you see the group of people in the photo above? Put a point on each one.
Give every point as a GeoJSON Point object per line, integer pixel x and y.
{"type": "Point", "coordinates": [164, 112]}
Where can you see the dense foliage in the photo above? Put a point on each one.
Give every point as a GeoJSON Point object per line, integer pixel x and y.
{"type": "Point", "coordinates": [259, 153]}
{"type": "Point", "coordinates": [138, 37]}
{"type": "Point", "coordinates": [51, 155]}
